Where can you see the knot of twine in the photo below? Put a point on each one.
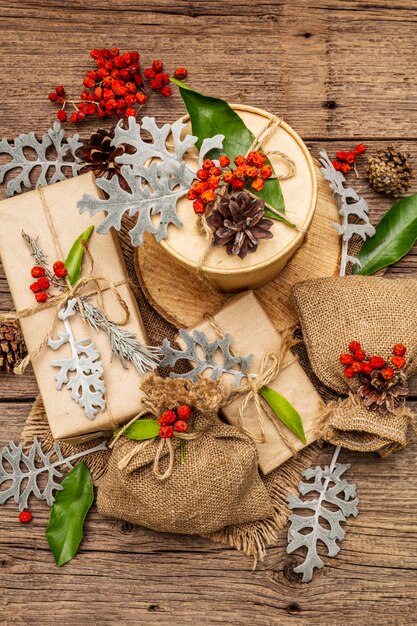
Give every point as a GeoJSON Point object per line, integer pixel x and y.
{"type": "Point", "coordinates": [57, 302]}
{"type": "Point", "coordinates": [162, 444]}
{"type": "Point", "coordinates": [272, 364]}
{"type": "Point", "coordinates": [264, 134]}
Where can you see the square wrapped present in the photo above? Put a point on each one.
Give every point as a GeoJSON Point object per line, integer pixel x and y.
{"type": "Point", "coordinates": [25, 212]}
{"type": "Point", "coordinates": [252, 332]}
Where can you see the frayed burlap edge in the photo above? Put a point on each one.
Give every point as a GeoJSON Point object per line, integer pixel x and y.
{"type": "Point", "coordinates": [37, 426]}
{"type": "Point", "coordinates": [358, 438]}
{"type": "Point", "coordinates": [254, 538]}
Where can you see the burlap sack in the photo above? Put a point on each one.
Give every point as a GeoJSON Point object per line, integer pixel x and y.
{"type": "Point", "coordinates": [217, 485]}
{"type": "Point", "coordinates": [377, 312]}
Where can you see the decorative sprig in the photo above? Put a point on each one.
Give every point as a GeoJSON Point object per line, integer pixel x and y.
{"type": "Point", "coordinates": [65, 158]}
{"type": "Point", "coordinates": [351, 206]}
{"type": "Point", "coordinates": [331, 490]}
{"type": "Point", "coordinates": [206, 355]}
{"type": "Point", "coordinates": [86, 386]}
{"type": "Point", "coordinates": [124, 343]}
{"type": "Point", "coordinates": [154, 187]}
{"type": "Point", "coordinates": [22, 470]}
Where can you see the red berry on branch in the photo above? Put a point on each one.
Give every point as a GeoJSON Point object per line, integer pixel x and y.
{"type": "Point", "coordinates": [377, 362]}
{"type": "Point", "coordinates": [266, 171]}
{"type": "Point", "coordinates": [166, 432]}
{"type": "Point", "coordinates": [180, 426]}
{"type": "Point", "coordinates": [149, 73]}
{"type": "Point", "coordinates": [387, 373]}
{"type": "Point", "coordinates": [157, 65]}
{"type": "Point", "coordinates": [130, 112]}
{"type": "Point", "coordinates": [35, 287]}
{"type": "Point", "coordinates": [167, 417]}
{"type": "Point", "coordinates": [198, 206]}
{"type": "Point", "coordinates": [25, 517]}
{"type": "Point", "coordinates": [166, 91]}
{"type": "Point", "coordinates": [258, 184]}
{"type": "Point", "coordinates": [350, 157]}
{"type": "Point", "coordinates": [341, 155]}
{"type": "Point", "coordinates": [180, 73]}
{"type": "Point", "coordinates": [61, 115]}
{"type": "Point", "coordinates": [59, 269]}
{"type": "Point", "coordinates": [192, 194]}
{"type": "Point", "coordinates": [398, 361]}
{"type": "Point", "coordinates": [60, 90]}
{"type": "Point", "coordinates": [73, 118]}
{"type": "Point", "coordinates": [359, 355]}
{"type": "Point", "coordinates": [360, 149]}
{"type": "Point", "coordinates": [399, 349]}
{"type": "Point", "coordinates": [337, 165]}
{"type": "Point", "coordinates": [349, 372]}
{"type": "Point", "coordinates": [356, 366]}
{"type": "Point", "coordinates": [345, 167]}
{"type": "Point", "coordinates": [41, 297]}
{"type": "Point", "coordinates": [37, 271]}
{"type": "Point", "coordinates": [367, 368]}
{"type": "Point", "coordinates": [224, 160]}
{"type": "Point", "coordinates": [184, 412]}
{"type": "Point", "coordinates": [43, 283]}
{"type": "Point", "coordinates": [53, 97]}
{"type": "Point", "coordinates": [346, 359]}
{"type": "Point", "coordinates": [354, 345]}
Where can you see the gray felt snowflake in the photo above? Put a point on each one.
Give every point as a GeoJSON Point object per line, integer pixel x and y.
{"type": "Point", "coordinates": [22, 471]}
{"type": "Point", "coordinates": [50, 153]}
{"type": "Point", "coordinates": [157, 178]}
{"type": "Point", "coordinates": [85, 383]}
{"type": "Point", "coordinates": [206, 355]}
{"type": "Point", "coordinates": [341, 501]}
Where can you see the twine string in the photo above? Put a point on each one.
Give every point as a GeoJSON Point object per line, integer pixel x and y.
{"type": "Point", "coordinates": [272, 364]}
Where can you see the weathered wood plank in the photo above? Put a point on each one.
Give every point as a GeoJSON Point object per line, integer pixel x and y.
{"type": "Point", "coordinates": [335, 69]}
{"type": "Point", "coordinates": [133, 575]}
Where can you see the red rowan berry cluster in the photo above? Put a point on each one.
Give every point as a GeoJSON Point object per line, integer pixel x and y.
{"type": "Point", "coordinates": [346, 160]}
{"type": "Point", "coordinates": [357, 362]}
{"type": "Point", "coordinates": [174, 421]}
{"type": "Point", "coordinates": [42, 284]}
{"type": "Point", "coordinates": [117, 86]}
{"type": "Point", "coordinates": [251, 169]}
{"type": "Point", "coordinates": [25, 517]}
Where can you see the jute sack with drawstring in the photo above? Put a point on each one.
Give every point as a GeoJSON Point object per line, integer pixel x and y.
{"type": "Point", "coordinates": [216, 485]}
{"type": "Point", "coordinates": [378, 313]}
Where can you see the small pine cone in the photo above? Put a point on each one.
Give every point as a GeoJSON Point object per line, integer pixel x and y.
{"type": "Point", "coordinates": [239, 223]}
{"type": "Point", "coordinates": [12, 346]}
{"type": "Point", "coordinates": [99, 156]}
{"type": "Point", "coordinates": [382, 395]}
{"type": "Point", "coordinates": [388, 171]}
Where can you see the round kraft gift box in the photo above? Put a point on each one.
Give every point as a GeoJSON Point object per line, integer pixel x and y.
{"type": "Point", "coordinates": [229, 272]}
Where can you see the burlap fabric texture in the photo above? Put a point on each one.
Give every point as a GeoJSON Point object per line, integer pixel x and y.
{"type": "Point", "coordinates": [377, 312]}
{"type": "Point", "coordinates": [217, 484]}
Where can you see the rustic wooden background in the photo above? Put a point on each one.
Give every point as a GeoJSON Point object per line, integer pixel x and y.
{"type": "Point", "coordinates": [339, 71]}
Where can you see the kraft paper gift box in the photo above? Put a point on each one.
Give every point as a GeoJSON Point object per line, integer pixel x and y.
{"type": "Point", "coordinates": [25, 212]}
{"type": "Point", "coordinates": [253, 333]}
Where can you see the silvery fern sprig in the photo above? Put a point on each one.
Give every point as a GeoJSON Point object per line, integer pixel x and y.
{"type": "Point", "coordinates": [124, 343]}
{"type": "Point", "coordinates": [21, 471]}
{"type": "Point", "coordinates": [351, 206]}
{"type": "Point", "coordinates": [38, 255]}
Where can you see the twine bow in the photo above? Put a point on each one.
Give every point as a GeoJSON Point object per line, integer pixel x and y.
{"type": "Point", "coordinates": [161, 445]}
{"type": "Point", "coordinates": [57, 302]}
{"type": "Point", "coordinates": [272, 364]}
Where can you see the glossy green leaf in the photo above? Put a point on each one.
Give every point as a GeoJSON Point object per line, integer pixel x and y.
{"type": "Point", "coordinates": [393, 238]}
{"type": "Point", "coordinates": [66, 520]}
{"type": "Point", "coordinates": [142, 429]}
{"type": "Point", "coordinates": [74, 260]}
{"type": "Point", "coordinates": [212, 116]}
{"type": "Point", "coordinates": [284, 411]}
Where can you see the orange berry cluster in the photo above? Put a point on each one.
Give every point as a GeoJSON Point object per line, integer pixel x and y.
{"type": "Point", "coordinates": [174, 421]}
{"type": "Point", "coordinates": [356, 361]}
{"type": "Point", "coordinates": [116, 86]}
{"type": "Point", "coordinates": [252, 168]}
{"type": "Point", "coordinates": [42, 284]}
{"type": "Point", "coordinates": [345, 160]}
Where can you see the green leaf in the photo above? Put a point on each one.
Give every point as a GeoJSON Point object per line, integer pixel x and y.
{"type": "Point", "coordinates": [393, 238]}
{"type": "Point", "coordinates": [66, 521]}
{"type": "Point", "coordinates": [74, 260]}
{"type": "Point", "coordinates": [285, 411]}
{"type": "Point", "coordinates": [278, 217]}
{"type": "Point", "coordinates": [142, 429]}
{"type": "Point", "coordinates": [212, 116]}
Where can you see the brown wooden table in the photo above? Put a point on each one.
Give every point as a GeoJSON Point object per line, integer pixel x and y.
{"type": "Point", "coordinates": [339, 71]}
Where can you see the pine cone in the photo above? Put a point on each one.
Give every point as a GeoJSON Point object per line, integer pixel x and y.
{"type": "Point", "coordinates": [239, 223]}
{"type": "Point", "coordinates": [388, 171]}
{"type": "Point", "coordinates": [99, 156]}
{"type": "Point", "coordinates": [383, 395]}
{"type": "Point", "coordinates": [12, 346]}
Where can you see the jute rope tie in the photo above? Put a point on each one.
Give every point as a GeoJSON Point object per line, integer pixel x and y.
{"type": "Point", "coordinates": [272, 364]}
{"type": "Point", "coordinates": [57, 302]}
{"type": "Point", "coordinates": [265, 133]}
{"type": "Point", "coordinates": [162, 444]}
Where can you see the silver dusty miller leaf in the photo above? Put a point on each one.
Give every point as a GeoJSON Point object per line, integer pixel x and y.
{"type": "Point", "coordinates": [22, 470]}
{"type": "Point", "coordinates": [53, 139]}
{"type": "Point", "coordinates": [336, 492]}
{"type": "Point", "coordinates": [204, 355]}
{"type": "Point", "coordinates": [157, 177]}
{"type": "Point", "coordinates": [81, 372]}
{"type": "Point", "coordinates": [351, 207]}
